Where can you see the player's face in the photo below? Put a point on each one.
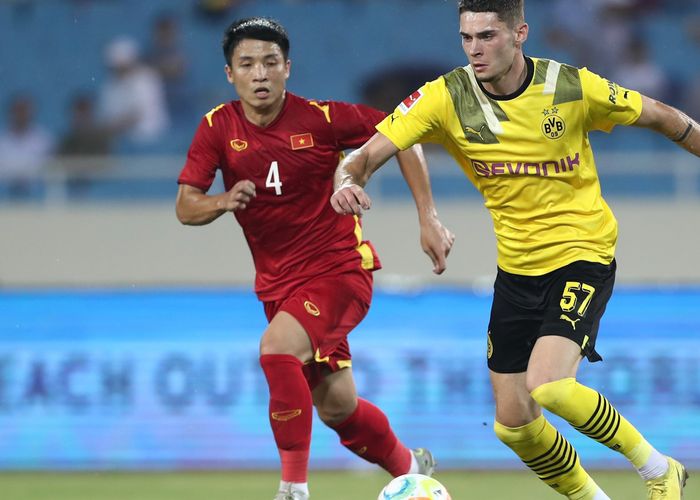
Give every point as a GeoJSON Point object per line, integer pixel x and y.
{"type": "Point", "coordinates": [490, 44]}
{"type": "Point", "coordinates": [259, 73]}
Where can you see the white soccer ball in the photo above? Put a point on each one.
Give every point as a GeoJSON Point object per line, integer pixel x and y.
{"type": "Point", "coordinates": [414, 487]}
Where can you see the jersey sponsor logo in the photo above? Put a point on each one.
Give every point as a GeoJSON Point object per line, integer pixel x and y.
{"type": "Point", "coordinates": [408, 103]}
{"type": "Point", "coordinates": [572, 321]}
{"type": "Point", "coordinates": [553, 125]}
{"type": "Point", "coordinates": [311, 308]}
{"type": "Point", "coordinates": [302, 141]}
{"type": "Point", "coordinates": [285, 415]}
{"type": "Point", "coordinates": [541, 169]}
{"type": "Point", "coordinates": [238, 145]}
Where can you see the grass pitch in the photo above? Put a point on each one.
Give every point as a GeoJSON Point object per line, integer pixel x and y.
{"type": "Point", "coordinates": [255, 485]}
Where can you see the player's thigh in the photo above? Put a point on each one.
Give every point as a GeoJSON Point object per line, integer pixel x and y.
{"type": "Point", "coordinates": [328, 307]}
{"type": "Point", "coordinates": [335, 396]}
{"type": "Point", "coordinates": [553, 358]}
{"type": "Point", "coordinates": [516, 317]}
{"type": "Point", "coordinates": [286, 335]}
{"type": "Point", "coordinates": [514, 406]}
{"type": "Point", "coordinates": [577, 297]}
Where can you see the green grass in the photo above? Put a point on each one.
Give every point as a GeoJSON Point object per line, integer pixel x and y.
{"type": "Point", "coordinates": [463, 485]}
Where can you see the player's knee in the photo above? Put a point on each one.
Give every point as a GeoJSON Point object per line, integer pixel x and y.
{"type": "Point", "coordinates": [532, 383]}
{"type": "Point", "coordinates": [275, 344]}
{"type": "Point", "coordinates": [554, 395]}
{"type": "Point", "coordinates": [335, 414]}
{"type": "Point", "coordinates": [270, 345]}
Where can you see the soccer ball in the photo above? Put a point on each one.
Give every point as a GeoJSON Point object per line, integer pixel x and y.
{"type": "Point", "coordinates": [414, 487]}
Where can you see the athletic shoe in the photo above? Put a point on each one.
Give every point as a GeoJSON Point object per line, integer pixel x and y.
{"type": "Point", "coordinates": [426, 462]}
{"type": "Point", "coordinates": [670, 485]}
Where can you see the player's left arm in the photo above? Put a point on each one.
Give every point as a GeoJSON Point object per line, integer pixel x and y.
{"type": "Point", "coordinates": [436, 240]}
{"type": "Point", "coordinates": [671, 122]}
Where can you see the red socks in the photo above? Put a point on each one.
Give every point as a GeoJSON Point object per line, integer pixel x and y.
{"type": "Point", "coordinates": [290, 413]}
{"type": "Point", "coordinates": [367, 433]}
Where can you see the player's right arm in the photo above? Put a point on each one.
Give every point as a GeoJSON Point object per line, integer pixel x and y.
{"type": "Point", "coordinates": [415, 120]}
{"type": "Point", "coordinates": [195, 208]}
{"type": "Point", "coordinates": [355, 170]}
{"type": "Point", "coordinates": [193, 205]}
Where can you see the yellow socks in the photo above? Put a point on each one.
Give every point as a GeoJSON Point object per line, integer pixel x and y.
{"type": "Point", "coordinates": [548, 454]}
{"type": "Point", "coordinates": [591, 414]}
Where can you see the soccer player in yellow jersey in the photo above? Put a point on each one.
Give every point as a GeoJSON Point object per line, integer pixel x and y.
{"type": "Point", "coordinates": [518, 127]}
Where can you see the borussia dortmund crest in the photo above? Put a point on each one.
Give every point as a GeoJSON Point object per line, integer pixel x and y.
{"type": "Point", "coordinates": [553, 126]}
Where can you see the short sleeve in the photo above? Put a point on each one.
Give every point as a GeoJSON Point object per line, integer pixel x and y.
{"type": "Point", "coordinates": [203, 158]}
{"type": "Point", "coordinates": [352, 124]}
{"type": "Point", "coordinates": [607, 103]}
{"type": "Point", "coordinates": [418, 118]}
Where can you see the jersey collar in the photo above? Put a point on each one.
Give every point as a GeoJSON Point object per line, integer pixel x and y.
{"type": "Point", "coordinates": [528, 79]}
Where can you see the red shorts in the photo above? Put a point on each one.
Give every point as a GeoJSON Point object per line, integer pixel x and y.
{"type": "Point", "coordinates": [328, 307]}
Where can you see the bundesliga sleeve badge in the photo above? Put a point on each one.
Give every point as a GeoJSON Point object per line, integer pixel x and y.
{"type": "Point", "coordinates": [408, 103]}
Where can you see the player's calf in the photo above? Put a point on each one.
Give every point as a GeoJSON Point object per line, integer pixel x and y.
{"type": "Point", "coordinates": [540, 446]}
{"type": "Point", "coordinates": [594, 416]}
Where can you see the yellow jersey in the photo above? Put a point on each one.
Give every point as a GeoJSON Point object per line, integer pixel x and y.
{"type": "Point", "coordinates": [528, 154]}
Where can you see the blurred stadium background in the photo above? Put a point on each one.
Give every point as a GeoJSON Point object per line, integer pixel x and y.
{"type": "Point", "coordinates": [128, 342]}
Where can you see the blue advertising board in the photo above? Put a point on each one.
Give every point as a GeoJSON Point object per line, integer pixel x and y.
{"type": "Point", "coordinates": [170, 379]}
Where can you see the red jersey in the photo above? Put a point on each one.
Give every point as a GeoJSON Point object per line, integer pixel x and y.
{"type": "Point", "coordinates": [292, 231]}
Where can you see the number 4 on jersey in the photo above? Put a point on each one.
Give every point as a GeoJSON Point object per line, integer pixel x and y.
{"type": "Point", "coordinates": [273, 178]}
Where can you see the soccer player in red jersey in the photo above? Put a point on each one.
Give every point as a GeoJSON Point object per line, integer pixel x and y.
{"type": "Point", "coordinates": [278, 153]}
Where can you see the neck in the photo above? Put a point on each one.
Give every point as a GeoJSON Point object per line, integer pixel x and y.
{"type": "Point", "coordinates": [263, 116]}
{"type": "Point", "coordinates": [511, 80]}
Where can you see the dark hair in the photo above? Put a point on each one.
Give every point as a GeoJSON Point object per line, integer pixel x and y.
{"type": "Point", "coordinates": [256, 28]}
{"type": "Point", "coordinates": [510, 12]}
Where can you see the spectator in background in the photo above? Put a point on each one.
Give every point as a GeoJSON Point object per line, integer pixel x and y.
{"type": "Point", "coordinates": [25, 148]}
{"type": "Point", "coordinates": [638, 71]}
{"type": "Point", "coordinates": [385, 88]}
{"type": "Point", "coordinates": [594, 33]}
{"type": "Point", "coordinates": [167, 57]}
{"type": "Point", "coordinates": [691, 97]}
{"type": "Point", "coordinates": [85, 137]}
{"type": "Point", "coordinates": [132, 101]}
{"type": "Point", "coordinates": [82, 149]}
{"type": "Point", "coordinates": [215, 10]}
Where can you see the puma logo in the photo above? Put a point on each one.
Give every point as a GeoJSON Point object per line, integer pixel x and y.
{"type": "Point", "coordinates": [572, 321]}
{"type": "Point", "coordinates": [473, 131]}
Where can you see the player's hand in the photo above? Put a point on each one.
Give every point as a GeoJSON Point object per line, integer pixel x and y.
{"type": "Point", "coordinates": [350, 199]}
{"type": "Point", "coordinates": [437, 242]}
{"type": "Point", "coordinates": [238, 197]}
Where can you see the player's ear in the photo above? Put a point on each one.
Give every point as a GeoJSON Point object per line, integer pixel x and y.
{"type": "Point", "coordinates": [287, 66]}
{"type": "Point", "coordinates": [521, 32]}
{"type": "Point", "coordinates": [229, 73]}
